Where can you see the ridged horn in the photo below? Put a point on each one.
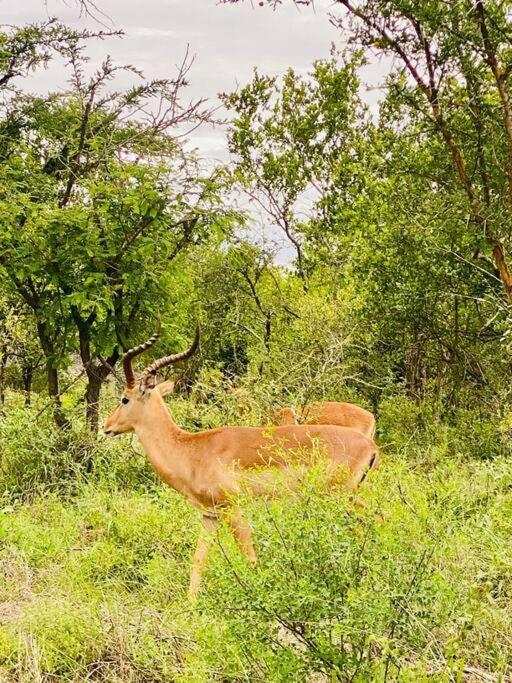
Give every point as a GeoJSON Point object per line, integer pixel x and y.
{"type": "Point", "coordinates": [150, 372]}
{"type": "Point", "coordinates": [131, 353]}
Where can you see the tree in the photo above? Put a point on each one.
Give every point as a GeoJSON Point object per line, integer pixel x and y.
{"type": "Point", "coordinates": [456, 59]}
{"type": "Point", "coordinates": [23, 49]}
{"type": "Point", "coordinates": [383, 222]}
{"type": "Point", "coordinates": [285, 138]}
{"type": "Point", "coordinates": [98, 200]}
{"type": "Point", "coordinates": [19, 346]}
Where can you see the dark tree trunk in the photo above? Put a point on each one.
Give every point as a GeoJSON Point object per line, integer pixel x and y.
{"type": "Point", "coordinates": [268, 334]}
{"type": "Point", "coordinates": [96, 372]}
{"type": "Point", "coordinates": [27, 375]}
{"type": "Point", "coordinates": [92, 399]}
{"type": "Point", "coordinates": [3, 364]}
{"type": "Point", "coordinates": [52, 375]}
{"type": "Point", "coordinates": [96, 375]}
{"type": "Point", "coordinates": [54, 393]}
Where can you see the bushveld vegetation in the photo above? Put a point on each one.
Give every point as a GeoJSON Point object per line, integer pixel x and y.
{"type": "Point", "coordinates": [397, 297]}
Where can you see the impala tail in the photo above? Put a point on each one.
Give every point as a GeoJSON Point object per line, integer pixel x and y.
{"type": "Point", "coordinates": [375, 461]}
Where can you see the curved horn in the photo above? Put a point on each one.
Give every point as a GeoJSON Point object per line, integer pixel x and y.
{"type": "Point", "coordinates": [152, 369]}
{"type": "Point", "coordinates": [131, 353]}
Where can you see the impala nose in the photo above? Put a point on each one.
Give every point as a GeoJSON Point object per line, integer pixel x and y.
{"type": "Point", "coordinates": [107, 430]}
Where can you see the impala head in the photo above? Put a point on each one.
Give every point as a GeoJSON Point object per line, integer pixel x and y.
{"type": "Point", "coordinates": [283, 416]}
{"type": "Point", "coordinates": [140, 395]}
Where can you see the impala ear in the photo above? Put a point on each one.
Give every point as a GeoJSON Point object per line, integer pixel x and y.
{"type": "Point", "coordinates": [165, 388]}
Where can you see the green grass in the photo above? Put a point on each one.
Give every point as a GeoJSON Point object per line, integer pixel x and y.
{"type": "Point", "coordinates": [94, 565]}
{"type": "Point", "coordinates": [93, 587]}
{"type": "Point", "coordinates": [90, 584]}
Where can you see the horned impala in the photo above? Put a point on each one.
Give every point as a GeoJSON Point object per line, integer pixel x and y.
{"type": "Point", "coordinates": [208, 467]}
{"type": "Point", "coordinates": [330, 413]}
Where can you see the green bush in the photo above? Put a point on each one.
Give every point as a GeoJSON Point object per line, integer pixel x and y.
{"type": "Point", "coordinates": [33, 453]}
{"type": "Point", "coordinates": [411, 427]}
{"type": "Point", "coordinates": [36, 457]}
{"type": "Point", "coordinates": [339, 594]}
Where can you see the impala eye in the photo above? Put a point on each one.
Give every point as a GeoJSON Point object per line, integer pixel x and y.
{"type": "Point", "coordinates": [125, 400]}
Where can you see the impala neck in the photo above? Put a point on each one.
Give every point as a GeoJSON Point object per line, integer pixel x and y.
{"type": "Point", "coordinates": [164, 443]}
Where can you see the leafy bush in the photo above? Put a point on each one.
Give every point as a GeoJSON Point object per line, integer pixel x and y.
{"type": "Point", "coordinates": [36, 457]}
{"type": "Point", "coordinates": [32, 453]}
{"type": "Point", "coordinates": [339, 594]}
{"type": "Point", "coordinates": [411, 427]}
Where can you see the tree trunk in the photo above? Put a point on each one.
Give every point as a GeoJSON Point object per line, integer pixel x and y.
{"type": "Point", "coordinates": [27, 375]}
{"type": "Point", "coordinates": [92, 399]}
{"type": "Point", "coordinates": [52, 375]}
{"type": "Point", "coordinates": [3, 364]}
{"type": "Point", "coordinates": [96, 372]}
{"type": "Point", "coordinates": [54, 393]}
{"type": "Point", "coordinates": [96, 375]}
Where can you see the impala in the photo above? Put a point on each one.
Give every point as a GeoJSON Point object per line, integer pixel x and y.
{"type": "Point", "coordinates": [333, 413]}
{"type": "Point", "coordinates": [212, 467]}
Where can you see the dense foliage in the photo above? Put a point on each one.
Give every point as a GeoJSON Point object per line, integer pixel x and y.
{"type": "Point", "coordinates": [395, 295]}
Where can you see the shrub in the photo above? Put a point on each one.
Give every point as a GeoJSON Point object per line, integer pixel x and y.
{"type": "Point", "coordinates": [36, 457]}
{"type": "Point", "coordinates": [338, 594]}
{"type": "Point", "coordinates": [31, 452]}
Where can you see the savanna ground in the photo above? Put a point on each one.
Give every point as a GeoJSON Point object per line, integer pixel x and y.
{"type": "Point", "coordinates": [95, 555]}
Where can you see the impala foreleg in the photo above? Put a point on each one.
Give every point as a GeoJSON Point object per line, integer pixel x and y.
{"type": "Point", "coordinates": [243, 534]}
{"type": "Point", "coordinates": [209, 526]}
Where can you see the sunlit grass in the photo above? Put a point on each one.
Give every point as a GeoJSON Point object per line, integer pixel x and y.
{"type": "Point", "coordinates": [94, 567]}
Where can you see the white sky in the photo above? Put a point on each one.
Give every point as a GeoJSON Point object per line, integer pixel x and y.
{"type": "Point", "coordinates": [227, 41]}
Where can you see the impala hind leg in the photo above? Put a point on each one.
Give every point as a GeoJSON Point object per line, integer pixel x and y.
{"type": "Point", "coordinates": [243, 535]}
{"type": "Point", "coordinates": [209, 526]}
{"type": "Point", "coordinates": [359, 473]}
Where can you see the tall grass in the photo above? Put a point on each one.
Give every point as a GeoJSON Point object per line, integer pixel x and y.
{"type": "Point", "coordinates": [95, 555]}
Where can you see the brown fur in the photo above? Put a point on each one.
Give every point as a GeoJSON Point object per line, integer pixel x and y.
{"type": "Point", "coordinates": [330, 413]}
{"type": "Point", "coordinates": [208, 467]}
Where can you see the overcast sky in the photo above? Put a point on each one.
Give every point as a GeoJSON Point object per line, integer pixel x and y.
{"type": "Point", "coordinates": [227, 41]}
